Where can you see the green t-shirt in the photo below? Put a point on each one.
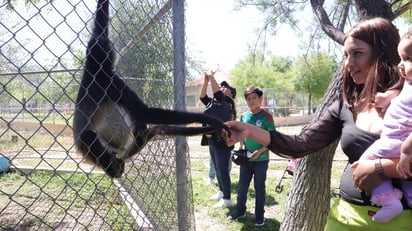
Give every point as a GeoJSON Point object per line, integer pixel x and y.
{"type": "Point", "coordinates": [264, 120]}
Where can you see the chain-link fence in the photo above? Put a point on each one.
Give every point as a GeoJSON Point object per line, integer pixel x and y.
{"type": "Point", "coordinates": [279, 103]}
{"type": "Point", "coordinates": [48, 185]}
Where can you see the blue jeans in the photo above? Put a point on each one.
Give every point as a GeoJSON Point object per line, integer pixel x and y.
{"type": "Point", "coordinates": [212, 169]}
{"type": "Point", "coordinates": [257, 170]}
{"type": "Point", "coordinates": [220, 155]}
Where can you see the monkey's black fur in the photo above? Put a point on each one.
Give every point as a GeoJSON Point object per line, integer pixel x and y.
{"type": "Point", "coordinates": [110, 120]}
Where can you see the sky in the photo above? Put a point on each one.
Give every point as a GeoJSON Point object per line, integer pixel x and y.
{"type": "Point", "coordinates": [222, 34]}
{"type": "Point", "coordinates": [216, 33]}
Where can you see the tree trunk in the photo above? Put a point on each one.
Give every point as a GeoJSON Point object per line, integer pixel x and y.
{"type": "Point", "coordinates": [309, 199]}
{"type": "Point", "coordinates": [308, 204]}
{"type": "Point", "coordinates": [373, 8]}
{"type": "Point", "coordinates": [310, 104]}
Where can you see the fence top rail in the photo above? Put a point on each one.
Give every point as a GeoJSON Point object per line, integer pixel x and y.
{"type": "Point", "coordinates": [40, 72]}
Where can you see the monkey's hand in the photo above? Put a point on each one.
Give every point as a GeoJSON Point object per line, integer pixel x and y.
{"type": "Point", "coordinates": [226, 133]}
{"type": "Point", "coordinates": [238, 132]}
{"type": "Point", "coordinates": [115, 168]}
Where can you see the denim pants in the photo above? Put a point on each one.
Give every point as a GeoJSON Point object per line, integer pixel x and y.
{"type": "Point", "coordinates": [257, 170]}
{"type": "Point", "coordinates": [212, 169]}
{"type": "Point", "coordinates": [220, 155]}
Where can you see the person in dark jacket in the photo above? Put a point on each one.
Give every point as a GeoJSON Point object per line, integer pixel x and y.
{"type": "Point", "coordinates": [219, 152]}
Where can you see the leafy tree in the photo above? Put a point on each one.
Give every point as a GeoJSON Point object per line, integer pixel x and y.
{"type": "Point", "coordinates": [150, 61]}
{"type": "Point", "coordinates": [309, 199]}
{"type": "Point", "coordinates": [32, 69]}
{"type": "Point", "coordinates": [271, 73]}
{"type": "Point", "coordinates": [313, 73]}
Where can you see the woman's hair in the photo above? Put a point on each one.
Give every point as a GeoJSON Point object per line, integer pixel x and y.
{"type": "Point", "coordinates": [383, 38]}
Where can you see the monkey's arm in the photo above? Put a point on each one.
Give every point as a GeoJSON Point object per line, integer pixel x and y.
{"type": "Point", "coordinates": [178, 130]}
{"type": "Point", "coordinates": [168, 117]}
{"type": "Point", "coordinates": [142, 114]}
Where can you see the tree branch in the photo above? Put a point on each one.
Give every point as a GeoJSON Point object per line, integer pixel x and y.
{"type": "Point", "coordinates": [398, 12]}
{"type": "Point", "coordinates": [345, 15]}
{"type": "Point", "coordinates": [325, 23]}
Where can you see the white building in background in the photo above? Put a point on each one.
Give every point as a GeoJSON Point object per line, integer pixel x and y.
{"type": "Point", "coordinates": [193, 90]}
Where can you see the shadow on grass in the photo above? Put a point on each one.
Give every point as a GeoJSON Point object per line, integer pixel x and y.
{"type": "Point", "coordinates": [248, 221]}
{"type": "Point", "coordinates": [251, 193]}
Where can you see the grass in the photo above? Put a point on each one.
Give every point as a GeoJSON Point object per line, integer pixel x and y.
{"type": "Point", "coordinates": [275, 202]}
{"type": "Point", "coordinates": [53, 202]}
{"type": "Point", "coordinates": [274, 206]}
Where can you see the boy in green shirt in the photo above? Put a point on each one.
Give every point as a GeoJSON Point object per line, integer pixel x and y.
{"type": "Point", "coordinates": [258, 164]}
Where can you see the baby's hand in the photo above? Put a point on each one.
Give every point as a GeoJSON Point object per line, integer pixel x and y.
{"type": "Point", "coordinates": [383, 99]}
{"type": "Point", "coordinates": [404, 166]}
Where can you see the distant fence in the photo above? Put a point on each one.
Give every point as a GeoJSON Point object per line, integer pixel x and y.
{"type": "Point", "coordinates": [292, 120]}
{"type": "Point", "coordinates": [50, 186]}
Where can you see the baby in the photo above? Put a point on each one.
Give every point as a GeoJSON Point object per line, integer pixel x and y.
{"type": "Point", "coordinates": [397, 125]}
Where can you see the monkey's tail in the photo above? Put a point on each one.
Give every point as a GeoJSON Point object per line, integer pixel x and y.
{"type": "Point", "coordinates": [101, 25]}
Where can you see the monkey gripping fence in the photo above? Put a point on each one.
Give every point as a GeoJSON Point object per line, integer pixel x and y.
{"type": "Point", "coordinates": [49, 186]}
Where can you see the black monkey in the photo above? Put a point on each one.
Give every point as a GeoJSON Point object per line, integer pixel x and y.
{"type": "Point", "coordinates": [110, 120]}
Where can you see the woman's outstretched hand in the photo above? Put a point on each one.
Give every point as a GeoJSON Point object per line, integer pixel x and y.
{"type": "Point", "coordinates": [239, 132]}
